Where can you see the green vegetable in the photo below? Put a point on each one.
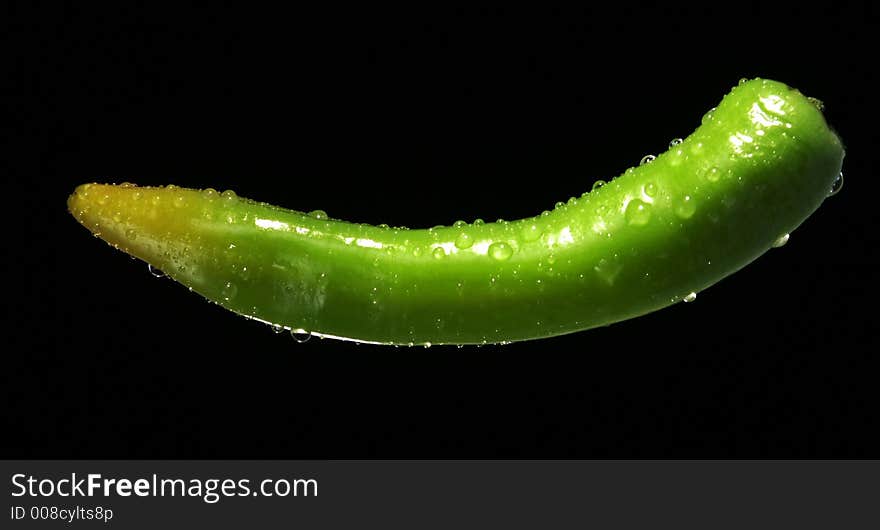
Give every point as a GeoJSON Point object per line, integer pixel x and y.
{"type": "Point", "coordinates": [759, 164]}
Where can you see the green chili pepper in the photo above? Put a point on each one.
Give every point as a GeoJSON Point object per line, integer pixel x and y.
{"type": "Point", "coordinates": [759, 164]}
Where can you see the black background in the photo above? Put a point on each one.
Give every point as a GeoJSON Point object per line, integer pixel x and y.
{"type": "Point", "coordinates": [420, 119]}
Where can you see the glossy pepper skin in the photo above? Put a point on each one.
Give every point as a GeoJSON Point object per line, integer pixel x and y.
{"type": "Point", "coordinates": [759, 164]}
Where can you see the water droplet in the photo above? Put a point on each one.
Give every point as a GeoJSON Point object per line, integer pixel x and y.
{"type": "Point", "coordinates": [647, 159]}
{"type": "Point", "coordinates": [300, 335]}
{"type": "Point", "coordinates": [713, 174]}
{"type": "Point", "coordinates": [650, 189]}
{"type": "Point", "coordinates": [572, 201]}
{"type": "Point", "coordinates": [127, 185]}
{"type": "Point", "coordinates": [417, 251]}
{"type": "Point", "coordinates": [209, 193]}
{"type": "Point", "coordinates": [558, 205]}
{"type": "Point", "coordinates": [598, 184]}
{"type": "Point", "coordinates": [836, 185]}
{"type": "Point", "coordinates": [685, 207]}
{"type": "Point", "coordinates": [459, 224]}
{"type": "Point", "coordinates": [131, 234]}
{"type": "Point", "coordinates": [690, 297]}
{"type": "Point", "coordinates": [500, 250]}
{"type": "Point", "coordinates": [638, 213]}
{"type": "Point", "coordinates": [155, 272]}
{"type": "Point", "coordinates": [277, 328]}
{"type": "Point", "coordinates": [781, 241]}
{"type": "Point", "coordinates": [427, 345]}
{"type": "Point", "coordinates": [229, 195]}
{"type": "Point", "coordinates": [531, 232]}
{"type": "Point", "coordinates": [675, 141]}
{"type": "Point", "coordinates": [709, 116]}
{"type": "Point", "coordinates": [318, 214]}
{"type": "Point", "coordinates": [608, 269]}
{"type": "Point", "coordinates": [478, 222]}
{"type": "Point", "coordinates": [818, 103]}
{"type": "Point", "coordinates": [545, 213]}
{"type": "Point", "coordinates": [179, 201]}
{"type": "Point", "coordinates": [229, 291]}
{"type": "Point", "coordinates": [743, 80]}
{"type": "Point", "coordinates": [464, 240]}
{"type": "Point", "coordinates": [438, 252]}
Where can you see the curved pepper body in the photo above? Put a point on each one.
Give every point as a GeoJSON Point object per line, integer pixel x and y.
{"type": "Point", "coordinates": [759, 164]}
